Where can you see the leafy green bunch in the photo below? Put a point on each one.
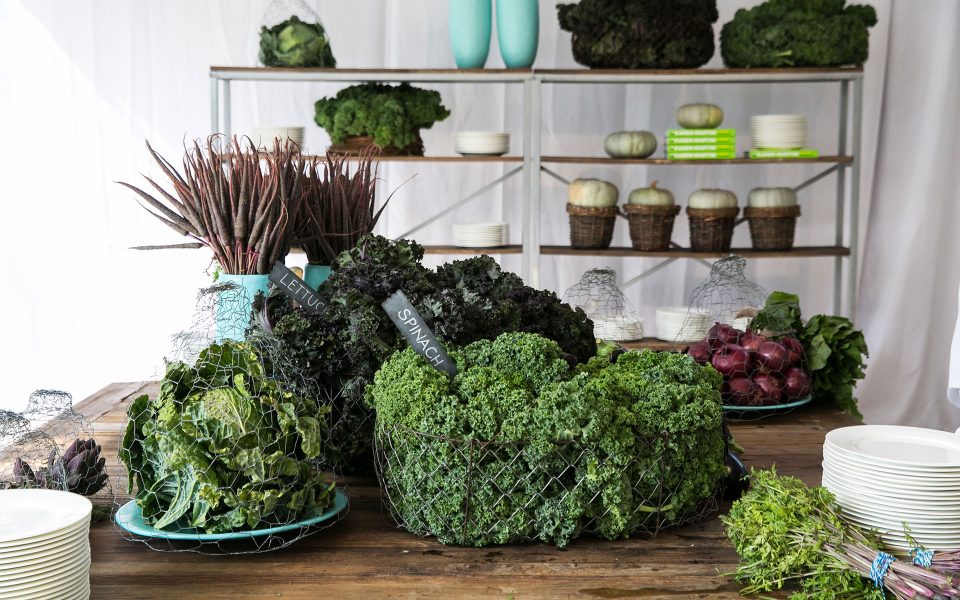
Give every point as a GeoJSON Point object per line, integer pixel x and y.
{"type": "Point", "coordinates": [640, 34]}
{"type": "Point", "coordinates": [294, 43]}
{"type": "Point", "coordinates": [549, 449]}
{"type": "Point", "coordinates": [798, 33]}
{"type": "Point", "coordinates": [835, 349]}
{"type": "Point", "coordinates": [392, 115]}
{"type": "Point", "coordinates": [223, 447]}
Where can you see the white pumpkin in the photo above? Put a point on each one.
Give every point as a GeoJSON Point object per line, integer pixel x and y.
{"type": "Point", "coordinates": [712, 199]}
{"type": "Point", "coordinates": [651, 196]}
{"type": "Point", "coordinates": [594, 193]}
{"type": "Point", "coordinates": [630, 144]}
{"type": "Point", "coordinates": [699, 116]}
{"type": "Point", "coordinates": [772, 197]}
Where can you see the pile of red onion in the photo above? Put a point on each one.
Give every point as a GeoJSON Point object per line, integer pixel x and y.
{"type": "Point", "coordinates": [757, 371]}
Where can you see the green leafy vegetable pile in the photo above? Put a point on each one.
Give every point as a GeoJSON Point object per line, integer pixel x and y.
{"type": "Point", "coordinates": [521, 445]}
{"type": "Point", "coordinates": [835, 349]}
{"type": "Point", "coordinates": [798, 33]}
{"type": "Point", "coordinates": [462, 302]}
{"type": "Point", "coordinates": [222, 447]}
{"type": "Point", "coordinates": [392, 115]}
{"type": "Point", "coordinates": [640, 34]}
{"type": "Point", "coordinates": [789, 534]}
{"type": "Point", "coordinates": [295, 43]}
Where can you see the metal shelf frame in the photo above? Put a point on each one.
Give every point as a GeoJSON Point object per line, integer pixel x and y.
{"type": "Point", "coordinates": [849, 82]}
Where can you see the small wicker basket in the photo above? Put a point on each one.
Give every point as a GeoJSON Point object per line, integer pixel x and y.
{"type": "Point", "coordinates": [591, 227]}
{"type": "Point", "coordinates": [651, 226]}
{"type": "Point", "coordinates": [354, 145]}
{"type": "Point", "coordinates": [711, 229]}
{"type": "Point", "coordinates": [772, 228]}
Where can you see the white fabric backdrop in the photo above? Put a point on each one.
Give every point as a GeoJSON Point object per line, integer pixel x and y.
{"type": "Point", "coordinates": [86, 82]}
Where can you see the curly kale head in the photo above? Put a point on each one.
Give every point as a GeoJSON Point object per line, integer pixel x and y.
{"type": "Point", "coordinates": [552, 450]}
{"type": "Point", "coordinates": [798, 33]}
{"type": "Point", "coordinates": [640, 34]}
{"type": "Point", "coordinates": [295, 43]}
{"type": "Point", "coordinates": [392, 115]}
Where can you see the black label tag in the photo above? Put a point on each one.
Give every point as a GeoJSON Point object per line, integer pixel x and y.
{"type": "Point", "coordinates": [416, 332]}
{"type": "Point", "coordinates": [296, 289]}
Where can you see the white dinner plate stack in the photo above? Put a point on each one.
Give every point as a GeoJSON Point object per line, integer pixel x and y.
{"type": "Point", "coordinates": [887, 475]}
{"type": "Point", "coordinates": [681, 324]}
{"type": "Point", "coordinates": [617, 329]}
{"type": "Point", "coordinates": [44, 545]}
{"type": "Point", "coordinates": [480, 235]}
{"type": "Point", "coordinates": [780, 132]}
{"type": "Point", "coordinates": [263, 136]}
{"type": "Point", "coordinates": [483, 143]}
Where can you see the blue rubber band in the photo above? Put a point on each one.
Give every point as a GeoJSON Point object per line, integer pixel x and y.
{"type": "Point", "coordinates": [922, 558]}
{"type": "Point", "coordinates": [878, 570]}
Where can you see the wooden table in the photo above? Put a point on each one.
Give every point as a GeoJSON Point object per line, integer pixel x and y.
{"type": "Point", "coordinates": [366, 557]}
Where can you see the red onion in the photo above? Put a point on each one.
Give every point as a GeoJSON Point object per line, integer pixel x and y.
{"type": "Point", "coordinates": [771, 357]}
{"type": "Point", "coordinates": [700, 351]}
{"type": "Point", "coordinates": [721, 334]}
{"type": "Point", "coordinates": [740, 391]}
{"type": "Point", "coordinates": [796, 355]}
{"type": "Point", "coordinates": [796, 384]}
{"type": "Point", "coordinates": [751, 341]}
{"type": "Point", "coordinates": [731, 360]}
{"type": "Point", "coordinates": [771, 387]}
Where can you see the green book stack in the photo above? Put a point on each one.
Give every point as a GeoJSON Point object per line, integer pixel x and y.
{"type": "Point", "coordinates": [778, 153]}
{"type": "Point", "coordinates": [701, 144]}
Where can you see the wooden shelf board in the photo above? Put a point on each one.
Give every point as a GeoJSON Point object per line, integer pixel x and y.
{"type": "Point", "coordinates": [651, 343]}
{"type": "Point", "coordinates": [844, 160]}
{"type": "Point", "coordinates": [803, 251]}
{"type": "Point", "coordinates": [511, 249]}
{"type": "Point", "coordinates": [448, 159]}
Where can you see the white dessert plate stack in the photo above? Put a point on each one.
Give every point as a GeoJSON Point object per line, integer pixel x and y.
{"type": "Point", "coordinates": [44, 545]}
{"type": "Point", "coordinates": [482, 143]}
{"type": "Point", "coordinates": [778, 132]}
{"type": "Point", "coordinates": [263, 136]}
{"type": "Point", "coordinates": [617, 329]}
{"type": "Point", "coordinates": [681, 324]}
{"type": "Point", "coordinates": [885, 475]}
{"type": "Point", "coordinates": [480, 235]}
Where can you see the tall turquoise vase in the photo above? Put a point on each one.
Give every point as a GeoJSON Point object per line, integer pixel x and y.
{"type": "Point", "coordinates": [470, 22]}
{"type": "Point", "coordinates": [315, 275]}
{"type": "Point", "coordinates": [518, 31]}
{"type": "Point", "coordinates": [235, 303]}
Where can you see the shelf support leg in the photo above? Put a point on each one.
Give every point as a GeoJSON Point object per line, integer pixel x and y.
{"type": "Point", "coordinates": [555, 175]}
{"type": "Point", "coordinates": [214, 105]}
{"type": "Point", "coordinates": [226, 110]}
{"type": "Point", "coordinates": [531, 178]}
{"type": "Point", "coordinates": [841, 199]}
{"type": "Point", "coordinates": [660, 265]}
{"type": "Point", "coordinates": [854, 223]}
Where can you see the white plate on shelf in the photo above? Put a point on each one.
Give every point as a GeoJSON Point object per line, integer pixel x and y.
{"type": "Point", "coordinates": [931, 476]}
{"type": "Point", "coordinates": [26, 514]}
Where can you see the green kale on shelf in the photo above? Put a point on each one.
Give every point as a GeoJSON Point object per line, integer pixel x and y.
{"type": "Point", "coordinates": [798, 33]}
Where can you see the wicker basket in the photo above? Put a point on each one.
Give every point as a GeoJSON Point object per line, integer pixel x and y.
{"type": "Point", "coordinates": [772, 228]}
{"type": "Point", "coordinates": [651, 226]}
{"type": "Point", "coordinates": [591, 227]}
{"type": "Point", "coordinates": [711, 229]}
{"type": "Point", "coordinates": [356, 144]}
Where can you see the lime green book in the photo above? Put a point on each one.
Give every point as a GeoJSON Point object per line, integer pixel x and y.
{"type": "Point", "coordinates": [714, 133]}
{"type": "Point", "coordinates": [701, 148]}
{"type": "Point", "coordinates": [774, 153]}
{"type": "Point", "coordinates": [700, 155]}
{"type": "Point", "coordinates": [701, 140]}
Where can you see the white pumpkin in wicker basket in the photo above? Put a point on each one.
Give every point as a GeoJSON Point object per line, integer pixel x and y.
{"type": "Point", "coordinates": [651, 196]}
{"type": "Point", "coordinates": [712, 199]}
{"type": "Point", "coordinates": [593, 193]}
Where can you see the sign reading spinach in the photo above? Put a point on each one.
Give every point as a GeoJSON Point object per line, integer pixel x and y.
{"type": "Point", "coordinates": [416, 332]}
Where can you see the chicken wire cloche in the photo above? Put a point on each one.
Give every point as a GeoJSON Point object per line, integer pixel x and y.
{"type": "Point", "coordinates": [726, 297]}
{"type": "Point", "coordinates": [614, 320]}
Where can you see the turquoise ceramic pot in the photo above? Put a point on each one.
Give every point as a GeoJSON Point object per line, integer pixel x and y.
{"type": "Point", "coordinates": [518, 32]}
{"type": "Point", "coordinates": [470, 22]}
{"type": "Point", "coordinates": [314, 275]}
{"type": "Point", "coordinates": [234, 305]}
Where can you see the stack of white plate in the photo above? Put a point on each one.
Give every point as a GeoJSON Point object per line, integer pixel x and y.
{"type": "Point", "coordinates": [884, 476]}
{"type": "Point", "coordinates": [617, 329]}
{"type": "Point", "coordinates": [682, 324]}
{"type": "Point", "coordinates": [480, 235]}
{"type": "Point", "coordinates": [44, 544]}
{"type": "Point", "coordinates": [263, 136]}
{"type": "Point", "coordinates": [482, 143]}
{"type": "Point", "coordinates": [778, 131]}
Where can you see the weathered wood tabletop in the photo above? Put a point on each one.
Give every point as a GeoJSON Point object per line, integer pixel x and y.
{"type": "Point", "coordinates": [365, 556]}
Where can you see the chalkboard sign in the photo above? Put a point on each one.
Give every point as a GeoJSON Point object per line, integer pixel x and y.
{"type": "Point", "coordinates": [416, 332]}
{"type": "Point", "coordinates": [296, 289]}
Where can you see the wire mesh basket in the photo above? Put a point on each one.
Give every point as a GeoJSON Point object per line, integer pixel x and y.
{"type": "Point", "coordinates": [613, 317]}
{"type": "Point", "coordinates": [479, 493]}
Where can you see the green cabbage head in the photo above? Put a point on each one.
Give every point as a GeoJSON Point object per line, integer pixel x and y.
{"type": "Point", "coordinates": [295, 43]}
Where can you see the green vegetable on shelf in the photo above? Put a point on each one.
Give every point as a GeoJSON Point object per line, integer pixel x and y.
{"type": "Point", "coordinates": [294, 43]}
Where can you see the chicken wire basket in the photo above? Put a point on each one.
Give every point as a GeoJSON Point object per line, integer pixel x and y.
{"type": "Point", "coordinates": [727, 296]}
{"type": "Point", "coordinates": [51, 446]}
{"type": "Point", "coordinates": [614, 319]}
{"type": "Point", "coordinates": [292, 35]}
{"type": "Point", "coordinates": [225, 455]}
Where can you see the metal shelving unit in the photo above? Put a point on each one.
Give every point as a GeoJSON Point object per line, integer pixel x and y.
{"type": "Point", "coordinates": [530, 165]}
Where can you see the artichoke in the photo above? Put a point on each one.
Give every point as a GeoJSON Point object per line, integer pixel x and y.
{"type": "Point", "coordinates": [81, 470]}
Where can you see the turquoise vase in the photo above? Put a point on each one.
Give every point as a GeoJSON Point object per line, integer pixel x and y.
{"type": "Point", "coordinates": [315, 275]}
{"type": "Point", "coordinates": [518, 32]}
{"type": "Point", "coordinates": [235, 303]}
{"type": "Point", "coordinates": [470, 22]}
